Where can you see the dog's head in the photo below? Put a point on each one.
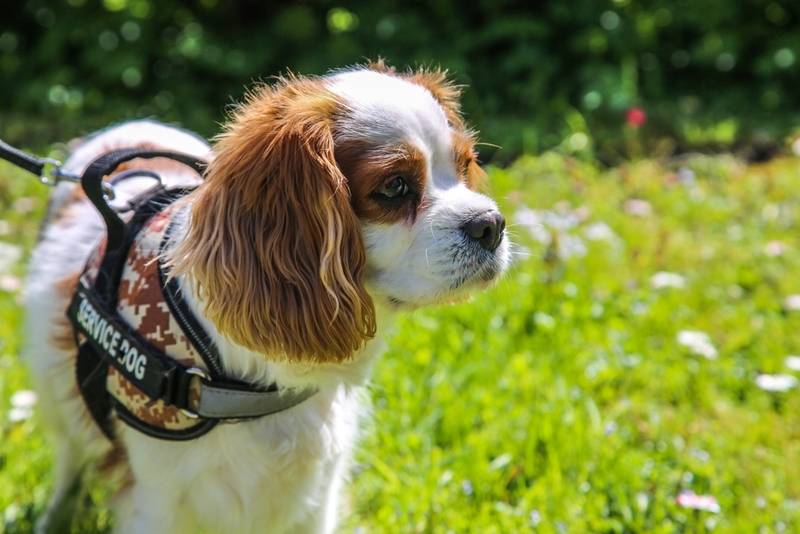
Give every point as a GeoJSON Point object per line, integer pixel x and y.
{"type": "Point", "coordinates": [330, 195]}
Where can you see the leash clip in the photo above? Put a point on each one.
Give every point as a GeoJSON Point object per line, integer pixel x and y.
{"type": "Point", "coordinates": [52, 175]}
{"type": "Point", "coordinates": [51, 172]}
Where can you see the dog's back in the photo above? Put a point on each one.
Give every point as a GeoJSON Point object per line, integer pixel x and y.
{"type": "Point", "coordinates": [71, 231]}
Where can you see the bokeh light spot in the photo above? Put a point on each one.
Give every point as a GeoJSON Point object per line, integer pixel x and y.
{"type": "Point", "coordinates": [108, 40]}
{"type": "Point", "coordinates": [8, 42]}
{"type": "Point", "coordinates": [725, 62]}
{"type": "Point", "coordinates": [130, 31]}
{"type": "Point", "coordinates": [131, 77]}
{"type": "Point", "coordinates": [609, 20]}
{"type": "Point", "coordinates": [592, 100]}
{"type": "Point", "coordinates": [784, 58]}
{"type": "Point", "coordinates": [340, 20]}
{"type": "Point", "coordinates": [680, 59]}
{"type": "Point", "coordinates": [386, 27]}
{"type": "Point", "coordinates": [57, 94]}
{"type": "Point", "coordinates": [775, 14]}
{"type": "Point", "coordinates": [578, 141]}
{"type": "Point", "coordinates": [115, 5]}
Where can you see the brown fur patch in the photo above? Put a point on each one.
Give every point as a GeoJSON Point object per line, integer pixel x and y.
{"type": "Point", "coordinates": [62, 334]}
{"type": "Point", "coordinates": [115, 466]}
{"type": "Point", "coordinates": [273, 245]}
{"type": "Point", "coordinates": [435, 80]}
{"type": "Point", "coordinates": [368, 168]}
{"type": "Point", "coordinates": [443, 90]}
{"type": "Point", "coordinates": [447, 94]}
{"type": "Point", "coordinates": [467, 160]}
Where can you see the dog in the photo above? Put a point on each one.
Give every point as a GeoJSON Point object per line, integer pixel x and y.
{"type": "Point", "coordinates": [328, 205]}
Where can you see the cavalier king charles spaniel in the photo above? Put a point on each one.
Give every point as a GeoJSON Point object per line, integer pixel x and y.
{"type": "Point", "coordinates": [329, 204]}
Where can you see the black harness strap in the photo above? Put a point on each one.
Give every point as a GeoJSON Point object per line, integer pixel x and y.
{"type": "Point", "coordinates": [92, 183]}
{"type": "Point", "coordinates": [190, 325]}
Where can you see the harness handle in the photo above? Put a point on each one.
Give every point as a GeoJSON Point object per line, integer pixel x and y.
{"type": "Point", "coordinates": [92, 184]}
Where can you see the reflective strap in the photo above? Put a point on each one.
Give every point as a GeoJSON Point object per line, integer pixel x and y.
{"type": "Point", "coordinates": [224, 403]}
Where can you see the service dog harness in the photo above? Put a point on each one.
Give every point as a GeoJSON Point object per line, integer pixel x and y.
{"type": "Point", "coordinates": [142, 353]}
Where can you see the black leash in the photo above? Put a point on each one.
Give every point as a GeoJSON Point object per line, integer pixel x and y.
{"type": "Point", "coordinates": [48, 170]}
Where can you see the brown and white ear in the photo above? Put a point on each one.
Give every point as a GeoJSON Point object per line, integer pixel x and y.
{"type": "Point", "coordinates": [273, 245]}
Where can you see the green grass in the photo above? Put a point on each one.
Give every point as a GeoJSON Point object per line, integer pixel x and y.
{"type": "Point", "coordinates": [560, 401]}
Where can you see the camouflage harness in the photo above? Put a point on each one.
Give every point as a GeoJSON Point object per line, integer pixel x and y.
{"type": "Point", "coordinates": [142, 354]}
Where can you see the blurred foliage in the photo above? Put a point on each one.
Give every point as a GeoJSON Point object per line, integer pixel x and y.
{"type": "Point", "coordinates": [708, 73]}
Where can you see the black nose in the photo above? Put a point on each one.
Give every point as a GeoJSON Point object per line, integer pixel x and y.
{"type": "Point", "coordinates": [487, 229]}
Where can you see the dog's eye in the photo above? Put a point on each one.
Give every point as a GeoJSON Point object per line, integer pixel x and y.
{"type": "Point", "coordinates": [394, 187]}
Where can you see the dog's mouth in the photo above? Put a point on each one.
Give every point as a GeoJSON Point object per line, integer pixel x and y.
{"type": "Point", "coordinates": [464, 281]}
{"type": "Point", "coordinates": [480, 275]}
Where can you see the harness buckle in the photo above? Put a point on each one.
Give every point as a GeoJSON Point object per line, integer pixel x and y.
{"type": "Point", "coordinates": [193, 371]}
{"type": "Point", "coordinates": [52, 174]}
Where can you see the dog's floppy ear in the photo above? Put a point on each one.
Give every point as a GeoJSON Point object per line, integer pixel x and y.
{"type": "Point", "coordinates": [273, 245]}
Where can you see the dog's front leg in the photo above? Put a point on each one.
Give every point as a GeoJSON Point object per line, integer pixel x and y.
{"type": "Point", "coordinates": [324, 518]}
{"type": "Point", "coordinates": [148, 510]}
{"type": "Point", "coordinates": [67, 488]}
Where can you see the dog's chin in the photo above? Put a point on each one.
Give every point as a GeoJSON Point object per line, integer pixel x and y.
{"type": "Point", "coordinates": [458, 288]}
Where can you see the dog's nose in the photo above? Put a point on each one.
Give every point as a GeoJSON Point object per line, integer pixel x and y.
{"type": "Point", "coordinates": [487, 229]}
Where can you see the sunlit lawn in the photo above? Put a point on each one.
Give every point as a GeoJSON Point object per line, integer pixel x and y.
{"type": "Point", "coordinates": [561, 400]}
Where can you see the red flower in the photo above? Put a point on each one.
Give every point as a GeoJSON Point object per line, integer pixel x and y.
{"type": "Point", "coordinates": [636, 117]}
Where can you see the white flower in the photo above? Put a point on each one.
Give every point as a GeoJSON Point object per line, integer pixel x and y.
{"type": "Point", "coordinates": [792, 302]}
{"type": "Point", "coordinates": [664, 279]}
{"type": "Point", "coordinates": [792, 362]}
{"type": "Point", "coordinates": [599, 231]}
{"type": "Point", "coordinates": [775, 248]}
{"type": "Point", "coordinates": [22, 403]}
{"type": "Point", "coordinates": [686, 176]}
{"type": "Point", "coordinates": [570, 245]}
{"type": "Point", "coordinates": [796, 146]}
{"type": "Point", "coordinates": [544, 321]}
{"type": "Point", "coordinates": [535, 518]}
{"type": "Point", "coordinates": [561, 220]}
{"type": "Point", "coordinates": [500, 462]}
{"type": "Point", "coordinates": [770, 212]}
{"type": "Point", "coordinates": [24, 398]}
{"type": "Point", "coordinates": [546, 226]}
{"type": "Point", "coordinates": [698, 343]}
{"type": "Point", "coordinates": [642, 501]}
{"type": "Point", "coordinates": [15, 415]}
{"type": "Point", "coordinates": [638, 207]}
{"type": "Point", "coordinates": [706, 503]}
{"type": "Point", "coordinates": [776, 383]}
{"type": "Point", "coordinates": [10, 283]}
{"type": "Point", "coordinates": [9, 254]}
{"type": "Point", "coordinates": [24, 205]}
{"type": "Point", "coordinates": [533, 222]}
